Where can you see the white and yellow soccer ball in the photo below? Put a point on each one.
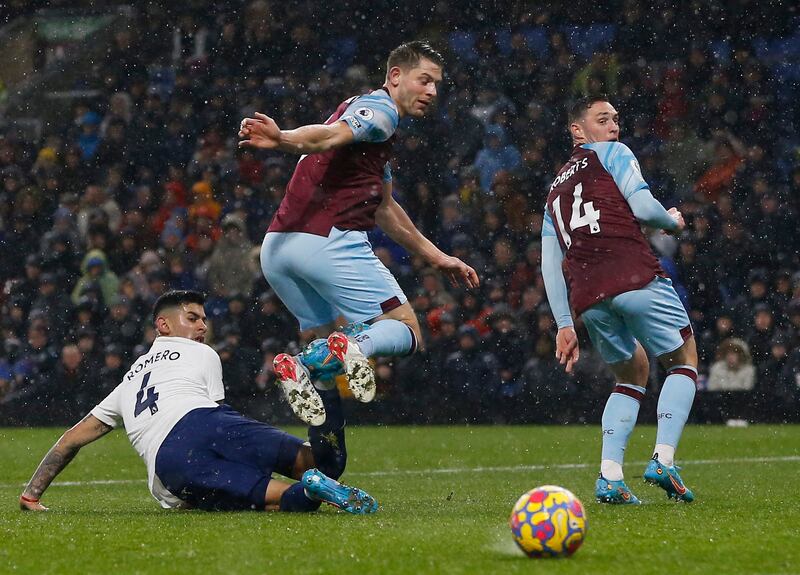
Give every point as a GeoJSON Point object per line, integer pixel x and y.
{"type": "Point", "coordinates": [548, 521]}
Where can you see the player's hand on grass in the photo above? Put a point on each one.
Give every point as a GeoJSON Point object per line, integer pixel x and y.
{"type": "Point", "coordinates": [457, 272]}
{"type": "Point", "coordinates": [27, 503]}
{"type": "Point", "coordinates": [567, 350]}
{"type": "Point", "coordinates": [259, 132]}
{"type": "Point", "coordinates": [678, 217]}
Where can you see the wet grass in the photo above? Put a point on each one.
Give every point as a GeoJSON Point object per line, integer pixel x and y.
{"type": "Point", "coordinates": [445, 495]}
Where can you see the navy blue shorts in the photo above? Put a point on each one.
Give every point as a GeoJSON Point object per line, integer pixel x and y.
{"type": "Point", "coordinates": [217, 459]}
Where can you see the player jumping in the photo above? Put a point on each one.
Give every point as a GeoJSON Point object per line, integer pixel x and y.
{"type": "Point", "coordinates": [316, 255]}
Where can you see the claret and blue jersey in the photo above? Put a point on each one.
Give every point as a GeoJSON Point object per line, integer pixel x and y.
{"type": "Point", "coordinates": [330, 204]}
{"type": "Point", "coordinates": [595, 208]}
{"type": "Point", "coordinates": [343, 187]}
{"type": "Point", "coordinates": [373, 119]}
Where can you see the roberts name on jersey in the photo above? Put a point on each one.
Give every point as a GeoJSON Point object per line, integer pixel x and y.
{"type": "Point", "coordinates": [606, 252]}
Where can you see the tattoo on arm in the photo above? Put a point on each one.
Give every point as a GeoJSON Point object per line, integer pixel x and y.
{"type": "Point", "coordinates": [59, 456]}
{"type": "Point", "coordinates": [56, 460]}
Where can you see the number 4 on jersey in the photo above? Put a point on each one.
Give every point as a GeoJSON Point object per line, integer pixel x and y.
{"type": "Point", "coordinates": [149, 401]}
{"type": "Point", "coordinates": [590, 216]}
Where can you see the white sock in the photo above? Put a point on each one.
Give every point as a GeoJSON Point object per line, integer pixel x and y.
{"type": "Point", "coordinates": [611, 470]}
{"type": "Point", "coordinates": [665, 454]}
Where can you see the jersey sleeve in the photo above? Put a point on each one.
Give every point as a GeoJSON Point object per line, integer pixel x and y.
{"type": "Point", "coordinates": [649, 211]}
{"type": "Point", "coordinates": [216, 389]}
{"type": "Point", "coordinates": [554, 283]}
{"type": "Point", "coordinates": [372, 118]}
{"type": "Point", "coordinates": [619, 161]}
{"type": "Point", "coordinates": [109, 410]}
{"type": "Point", "coordinates": [547, 225]}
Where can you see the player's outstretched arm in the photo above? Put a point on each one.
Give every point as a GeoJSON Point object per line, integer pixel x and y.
{"type": "Point", "coordinates": [262, 132]}
{"type": "Point", "coordinates": [393, 219]}
{"type": "Point", "coordinates": [65, 449]}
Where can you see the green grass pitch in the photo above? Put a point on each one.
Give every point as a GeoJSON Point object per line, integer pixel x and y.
{"type": "Point", "coordinates": [445, 494]}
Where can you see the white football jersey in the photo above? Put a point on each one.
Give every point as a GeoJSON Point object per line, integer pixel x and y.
{"type": "Point", "coordinates": [176, 376]}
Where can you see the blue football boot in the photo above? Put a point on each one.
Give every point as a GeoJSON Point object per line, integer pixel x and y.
{"type": "Point", "coordinates": [350, 499]}
{"type": "Point", "coordinates": [614, 492]}
{"type": "Point", "coordinates": [668, 479]}
{"type": "Point", "coordinates": [319, 361]}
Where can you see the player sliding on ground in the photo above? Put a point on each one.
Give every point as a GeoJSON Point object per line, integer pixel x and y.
{"type": "Point", "coordinates": [592, 226]}
{"type": "Point", "coordinates": [199, 452]}
{"type": "Point", "coordinates": [316, 255]}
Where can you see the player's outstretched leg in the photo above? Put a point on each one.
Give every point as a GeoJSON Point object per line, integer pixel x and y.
{"type": "Point", "coordinates": [360, 374]}
{"type": "Point", "coordinates": [614, 492]}
{"type": "Point", "coordinates": [298, 390]}
{"type": "Point", "coordinates": [350, 499]}
{"type": "Point", "coordinates": [668, 479]}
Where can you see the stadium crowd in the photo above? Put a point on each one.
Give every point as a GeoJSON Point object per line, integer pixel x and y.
{"type": "Point", "coordinates": [143, 189]}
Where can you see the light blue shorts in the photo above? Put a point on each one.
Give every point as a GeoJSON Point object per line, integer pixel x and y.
{"type": "Point", "coordinates": [318, 279]}
{"type": "Point", "coordinates": [654, 315]}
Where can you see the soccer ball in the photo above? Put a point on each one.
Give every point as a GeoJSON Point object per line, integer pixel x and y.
{"type": "Point", "coordinates": [548, 521]}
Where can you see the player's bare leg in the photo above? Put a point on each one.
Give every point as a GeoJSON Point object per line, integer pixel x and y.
{"type": "Point", "coordinates": [684, 355]}
{"type": "Point", "coordinates": [274, 494]}
{"type": "Point", "coordinates": [405, 314]}
{"type": "Point", "coordinates": [303, 462]}
{"type": "Point", "coordinates": [635, 371]}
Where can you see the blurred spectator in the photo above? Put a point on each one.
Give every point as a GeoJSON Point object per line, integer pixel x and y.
{"type": "Point", "coordinates": [471, 377]}
{"type": "Point", "coordinates": [96, 275]}
{"type": "Point", "coordinates": [121, 328]}
{"type": "Point", "coordinates": [113, 370]}
{"type": "Point", "coordinates": [728, 157]}
{"type": "Point", "coordinates": [497, 154]}
{"type": "Point", "coordinates": [759, 337]}
{"type": "Point", "coordinates": [55, 304]}
{"type": "Point", "coordinates": [229, 268]}
{"type": "Point", "coordinates": [733, 369]}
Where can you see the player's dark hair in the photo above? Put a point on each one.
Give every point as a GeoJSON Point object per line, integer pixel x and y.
{"type": "Point", "coordinates": [408, 55]}
{"type": "Point", "coordinates": [579, 107]}
{"type": "Point", "coordinates": [177, 298]}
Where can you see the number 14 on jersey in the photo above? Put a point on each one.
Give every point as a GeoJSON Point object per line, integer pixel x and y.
{"type": "Point", "coordinates": [583, 214]}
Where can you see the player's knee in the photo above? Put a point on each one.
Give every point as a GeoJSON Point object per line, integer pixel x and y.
{"type": "Point", "coordinates": [684, 355]}
{"type": "Point", "coordinates": [643, 375]}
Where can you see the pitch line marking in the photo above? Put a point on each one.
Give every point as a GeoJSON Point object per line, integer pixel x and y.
{"type": "Point", "coordinates": [516, 468]}
{"type": "Point", "coordinates": [446, 470]}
